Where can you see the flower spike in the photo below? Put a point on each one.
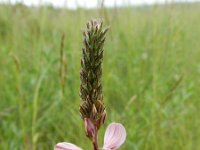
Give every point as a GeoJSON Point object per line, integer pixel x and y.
{"type": "Point", "coordinates": [92, 109]}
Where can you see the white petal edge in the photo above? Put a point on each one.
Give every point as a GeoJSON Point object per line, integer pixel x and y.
{"type": "Point", "coordinates": [66, 146]}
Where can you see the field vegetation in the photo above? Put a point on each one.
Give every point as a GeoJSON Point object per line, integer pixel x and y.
{"type": "Point", "coordinates": [151, 76]}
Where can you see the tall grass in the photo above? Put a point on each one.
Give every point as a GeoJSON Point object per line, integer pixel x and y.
{"type": "Point", "coordinates": [150, 76]}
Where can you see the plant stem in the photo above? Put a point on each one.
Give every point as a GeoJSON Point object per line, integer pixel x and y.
{"type": "Point", "coordinates": [95, 146]}
{"type": "Point", "coordinates": [95, 142]}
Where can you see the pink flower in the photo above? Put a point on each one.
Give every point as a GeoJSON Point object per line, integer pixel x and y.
{"type": "Point", "coordinates": [66, 146]}
{"type": "Point", "coordinates": [115, 136]}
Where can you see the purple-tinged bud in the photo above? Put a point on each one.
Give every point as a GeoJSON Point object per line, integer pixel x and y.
{"type": "Point", "coordinates": [90, 129]}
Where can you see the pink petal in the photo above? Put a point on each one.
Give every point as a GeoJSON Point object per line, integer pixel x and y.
{"type": "Point", "coordinates": [66, 146]}
{"type": "Point", "coordinates": [114, 137]}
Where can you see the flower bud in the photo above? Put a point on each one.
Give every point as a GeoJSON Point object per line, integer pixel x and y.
{"type": "Point", "coordinates": [93, 112]}
{"type": "Point", "coordinates": [89, 128]}
{"type": "Point", "coordinates": [101, 120]}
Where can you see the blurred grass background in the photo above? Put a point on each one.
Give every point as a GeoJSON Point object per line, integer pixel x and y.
{"type": "Point", "coordinates": [150, 78]}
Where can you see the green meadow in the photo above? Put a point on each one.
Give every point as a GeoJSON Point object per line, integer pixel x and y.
{"type": "Point", "coordinates": [151, 76]}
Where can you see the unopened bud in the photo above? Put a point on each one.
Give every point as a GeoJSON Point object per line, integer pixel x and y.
{"type": "Point", "coordinates": [101, 120]}
{"type": "Point", "coordinates": [89, 128]}
{"type": "Point", "coordinates": [94, 112]}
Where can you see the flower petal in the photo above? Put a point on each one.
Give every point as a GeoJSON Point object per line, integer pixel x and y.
{"type": "Point", "coordinates": [66, 146]}
{"type": "Point", "coordinates": [114, 137]}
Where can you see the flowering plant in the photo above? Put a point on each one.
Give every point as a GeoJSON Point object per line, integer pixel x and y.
{"type": "Point", "coordinates": [92, 109]}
